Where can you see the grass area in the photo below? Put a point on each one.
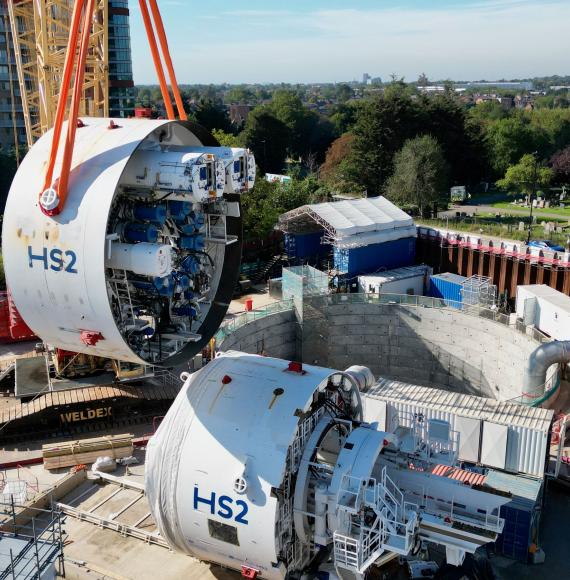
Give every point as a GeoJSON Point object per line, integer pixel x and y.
{"type": "Point", "coordinates": [506, 219]}
{"type": "Point", "coordinates": [488, 225]}
{"type": "Point", "coordinates": [563, 212]}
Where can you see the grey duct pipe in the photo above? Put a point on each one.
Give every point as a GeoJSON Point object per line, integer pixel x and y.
{"type": "Point", "coordinates": [543, 357]}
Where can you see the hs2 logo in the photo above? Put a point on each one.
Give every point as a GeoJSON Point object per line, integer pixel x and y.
{"type": "Point", "coordinates": [222, 506]}
{"type": "Point", "coordinates": [55, 259]}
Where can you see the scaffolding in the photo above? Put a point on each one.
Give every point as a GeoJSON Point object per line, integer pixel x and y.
{"type": "Point", "coordinates": [31, 541]}
{"type": "Point", "coordinates": [479, 291]}
{"type": "Point", "coordinates": [300, 281]}
{"type": "Point", "coordinates": [40, 33]}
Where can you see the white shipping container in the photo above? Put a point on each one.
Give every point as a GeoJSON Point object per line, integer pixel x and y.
{"type": "Point", "coordinates": [527, 427]}
{"type": "Point", "coordinates": [545, 308]}
{"type": "Point", "coordinates": [411, 280]}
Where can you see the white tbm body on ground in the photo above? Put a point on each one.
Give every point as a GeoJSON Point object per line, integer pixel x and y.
{"type": "Point", "coordinates": [267, 465]}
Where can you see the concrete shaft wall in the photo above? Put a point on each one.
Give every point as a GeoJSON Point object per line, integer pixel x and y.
{"type": "Point", "coordinates": [274, 335]}
{"type": "Point", "coordinates": [424, 346]}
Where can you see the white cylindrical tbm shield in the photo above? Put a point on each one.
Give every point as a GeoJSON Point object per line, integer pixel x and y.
{"type": "Point", "coordinates": [141, 263]}
{"type": "Point", "coordinates": [220, 470]}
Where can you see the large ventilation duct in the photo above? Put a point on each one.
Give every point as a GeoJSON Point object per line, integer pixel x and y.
{"type": "Point", "coordinates": [540, 360]}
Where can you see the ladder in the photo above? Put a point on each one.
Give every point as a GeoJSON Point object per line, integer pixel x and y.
{"type": "Point", "coordinates": [121, 289]}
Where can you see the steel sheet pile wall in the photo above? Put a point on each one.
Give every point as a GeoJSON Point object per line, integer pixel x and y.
{"type": "Point", "coordinates": [511, 437]}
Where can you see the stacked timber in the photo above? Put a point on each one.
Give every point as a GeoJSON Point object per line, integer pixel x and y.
{"type": "Point", "coordinates": [86, 451]}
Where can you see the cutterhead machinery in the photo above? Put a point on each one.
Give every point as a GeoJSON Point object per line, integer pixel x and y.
{"type": "Point", "coordinates": [267, 466]}
{"type": "Point", "coordinates": [141, 262]}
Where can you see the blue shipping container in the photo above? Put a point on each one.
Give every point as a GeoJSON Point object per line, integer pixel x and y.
{"type": "Point", "coordinates": [517, 533]}
{"type": "Point", "coordinates": [369, 259]}
{"type": "Point", "coordinates": [303, 246]}
{"type": "Point", "coordinates": [449, 287]}
{"type": "Point", "coordinates": [521, 514]}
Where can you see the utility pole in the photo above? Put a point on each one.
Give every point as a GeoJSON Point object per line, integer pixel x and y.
{"type": "Point", "coordinates": [534, 175]}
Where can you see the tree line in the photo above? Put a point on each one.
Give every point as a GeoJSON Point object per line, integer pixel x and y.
{"type": "Point", "coordinates": [396, 142]}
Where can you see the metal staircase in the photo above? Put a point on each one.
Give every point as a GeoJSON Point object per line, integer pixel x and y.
{"type": "Point", "coordinates": [380, 521]}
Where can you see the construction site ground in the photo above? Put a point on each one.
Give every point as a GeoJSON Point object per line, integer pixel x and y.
{"type": "Point", "coordinates": [93, 550]}
{"type": "Point", "coordinates": [259, 295]}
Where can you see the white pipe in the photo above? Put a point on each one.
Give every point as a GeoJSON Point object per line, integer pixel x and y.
{"type": "Point", "coordinates": [540, 360]}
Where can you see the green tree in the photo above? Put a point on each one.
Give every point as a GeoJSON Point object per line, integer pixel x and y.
{"type": "Point", "coordinates": [398, 88]}
{"type": "Point", "coordinates": [507, 140]}
{"type": "Point", "coordinates": [487, 112]}
{"type": "Point", "coordinates": [423, 80]}
{"type": "Point", "coordinates": [212, 115]}
{"type": "Point", "coordinates": [343, 117]}
{"type": "Point", "coordinates": [268, 138]}
{"type": "Point", "coordinates": [227, 139]}
{"type": "Point", "coordinates": [310, 133]}
{"type": "Point", "coordinates": [419, 174]}
{"type": "Point", "coordinates": [288, 108]}
{"type": "Point", "coordinates": [551, 129]}
{"type": "Point", "coordinates": [240, 94]}
{"type": "Point", "coordinates": [461, 140]}
{"type": "Point", "coordinates": [343, 93]}
{"type": "Point", "coordinates": [382, 126]}
{"type": "Point", "coordinates": [526, 175]}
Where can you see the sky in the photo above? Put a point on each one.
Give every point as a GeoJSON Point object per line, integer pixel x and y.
{"type": "Point", "coordinates": [317, 41]}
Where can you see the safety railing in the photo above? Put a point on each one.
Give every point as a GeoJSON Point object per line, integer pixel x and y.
{"type": "Point", "coordinates": [483, 519]}
{"type": "Point", "coordinates": [540, 394]}
{"type": "Point", "coordinates": [41, 541]}
{"type": "Point", "coordinates": [229, 326]}
{"type": "Point", "coordinates": [390, 489]}
{"type": "Point", "coordinates": [480, 311]}
{"type": "Point", "coordinates": [448, 509]}
{"type": "Point", "coordinates": [347, 552]}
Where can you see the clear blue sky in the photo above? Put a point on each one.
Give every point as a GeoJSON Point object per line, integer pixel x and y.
{"type": "Point", "coordinates": [335, 40]}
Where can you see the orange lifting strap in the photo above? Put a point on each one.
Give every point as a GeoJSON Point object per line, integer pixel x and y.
{"type": "Point", "coordinates": [54, 194]}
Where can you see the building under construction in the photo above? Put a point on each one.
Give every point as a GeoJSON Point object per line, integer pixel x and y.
{"type": "Point", "coordinates": [33, 43]}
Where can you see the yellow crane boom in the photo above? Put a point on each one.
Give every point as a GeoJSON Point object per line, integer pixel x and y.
{"type": "Point", "coordinates": [40, 31]}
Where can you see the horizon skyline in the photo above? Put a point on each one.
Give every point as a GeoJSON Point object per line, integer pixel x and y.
{"type": "Point", "coordinates": [321, 41]}
{"type": "Point", "coordinates": [357, 80]}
